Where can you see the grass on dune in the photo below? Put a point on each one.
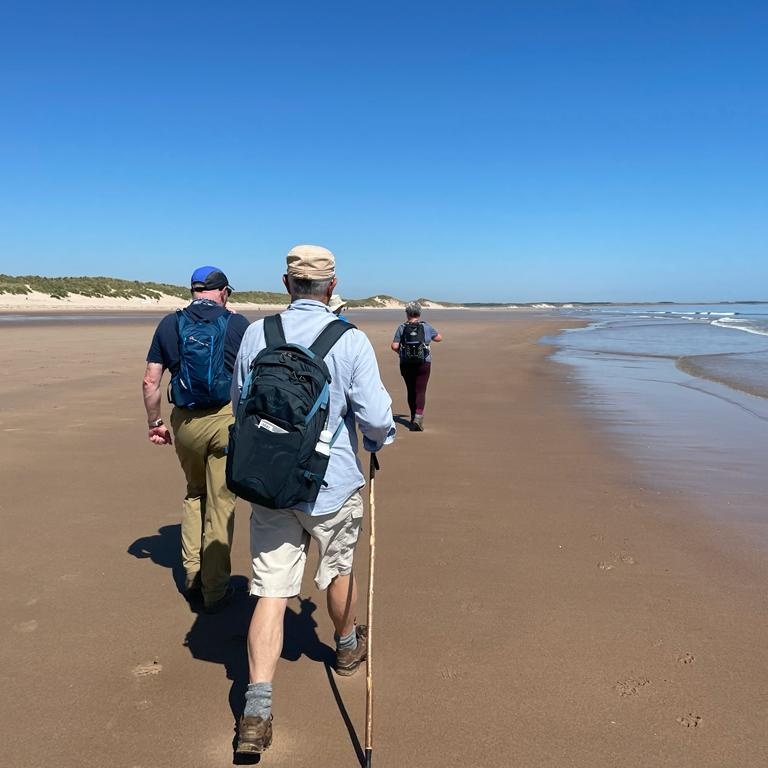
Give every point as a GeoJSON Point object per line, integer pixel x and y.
{"type": "Point", "coordinates": [113, 287]}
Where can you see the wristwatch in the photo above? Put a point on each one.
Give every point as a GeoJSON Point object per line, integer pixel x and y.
{"type": "Point", "coordinates": [154, 424]}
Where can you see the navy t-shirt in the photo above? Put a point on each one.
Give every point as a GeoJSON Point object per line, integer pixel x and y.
{"type": "Point", "coordinates": [165, 343]}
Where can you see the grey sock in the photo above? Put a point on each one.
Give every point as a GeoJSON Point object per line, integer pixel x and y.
{"type": "Point", "coordinates": [347, 642]}
{"type": "Point", "coordinates": [258, 700]}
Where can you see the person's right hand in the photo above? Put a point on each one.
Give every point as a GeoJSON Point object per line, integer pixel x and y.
{"type": "Point", "coordinates": [160, 435]}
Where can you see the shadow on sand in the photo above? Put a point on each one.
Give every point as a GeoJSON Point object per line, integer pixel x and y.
{"type": "Point", "coordinates": [222, 638]}
{"type": "Point", "coordinates": [403, 420]}
{"type": "Point", "coordinates": [164, 549]}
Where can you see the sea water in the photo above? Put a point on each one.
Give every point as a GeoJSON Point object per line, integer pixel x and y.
{"type": "Point", "coordinates": [685, 391]}
{"type": "Point", "coordinates": [725, 343]}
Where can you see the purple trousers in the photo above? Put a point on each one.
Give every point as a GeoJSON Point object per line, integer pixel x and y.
{"type": "Point", "coordinates": [416, 377]}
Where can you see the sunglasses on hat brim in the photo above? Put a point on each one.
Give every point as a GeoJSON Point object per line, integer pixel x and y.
{"type": "Point", "coordinates": [203, 287]}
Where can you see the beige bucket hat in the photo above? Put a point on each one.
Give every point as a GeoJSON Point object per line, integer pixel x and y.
{"type": "Point", "coordinates": [336, 303]}
{"type": "Point", "coordinates": [311, 262]}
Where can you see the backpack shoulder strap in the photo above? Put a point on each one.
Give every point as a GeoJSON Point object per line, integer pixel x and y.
{"type": "Point", "coordinates": [182, 319]}
{"type": "Point", "coordinates": [273, 331]}
{"type": "Point", "coordinates": [329, 336]}
{"type": "Point", "coordinates": [223, 320]}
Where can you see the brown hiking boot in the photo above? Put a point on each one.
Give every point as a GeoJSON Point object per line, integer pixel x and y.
{"type": "Point", "coordinates": [347, 662]}
{"type": "Point", "coordinates": [192, 583]}
{"type": "Point", "coordinates": [254, 735]}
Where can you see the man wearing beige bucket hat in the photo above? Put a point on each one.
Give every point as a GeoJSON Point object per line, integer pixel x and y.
{"type": "Point", "coordinates": [280, 537]}
{"type": "Point", "coordinates": [336, 304]}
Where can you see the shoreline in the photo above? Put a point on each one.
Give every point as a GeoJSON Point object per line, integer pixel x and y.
{"type": "Point", "coordinates": [731, 351]}
{"type": "Point", "coordinates": [695, 365]}
{"type": "Point", "coordinates": [684, 433]}
{"type": "Point", "coordinates": [592, 618]}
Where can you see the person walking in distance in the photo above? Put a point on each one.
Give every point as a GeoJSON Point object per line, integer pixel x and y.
{"type": "Point", "coordinates": [337, 305]}
{"type": "Point", "coordinates": [198, 344]}
{"type": "Point", "coordinates": [280, 537]}
{"type": "Point", "coordinates": [411, 342]}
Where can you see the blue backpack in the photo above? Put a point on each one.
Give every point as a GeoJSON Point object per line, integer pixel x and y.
{"type": "Point", "coordinates": [202, 380]}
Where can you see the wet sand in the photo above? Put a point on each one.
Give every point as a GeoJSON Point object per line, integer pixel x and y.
{"type": "Point", "coordinates": [537, 603]}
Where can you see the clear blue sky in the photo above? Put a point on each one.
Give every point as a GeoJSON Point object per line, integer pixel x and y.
{"type": "Point", "coordinates": [460, 150]}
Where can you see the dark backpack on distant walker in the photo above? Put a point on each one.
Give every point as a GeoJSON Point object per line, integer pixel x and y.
{"type": "Point", "coordinates": [413, 343]}
{"type": "Point", "coordinates": [284, 405]}
{"type": "Point", "coordinates": [202, 380]}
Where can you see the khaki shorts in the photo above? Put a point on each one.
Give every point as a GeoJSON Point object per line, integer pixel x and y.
{"type": "Point", "coordinates": [280, 539]}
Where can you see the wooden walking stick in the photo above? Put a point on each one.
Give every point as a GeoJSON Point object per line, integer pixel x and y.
{"type": "Point", "coordinates": [369, 657]}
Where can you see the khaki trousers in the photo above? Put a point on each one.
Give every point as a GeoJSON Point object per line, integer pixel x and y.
{"type": "Point", "coordinates": [208, 518]}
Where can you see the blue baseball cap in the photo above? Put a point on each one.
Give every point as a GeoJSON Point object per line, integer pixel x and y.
{"type": "Point", "coordinates": [209, 279]}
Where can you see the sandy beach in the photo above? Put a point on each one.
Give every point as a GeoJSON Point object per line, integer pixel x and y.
{"type": "Point", "coordinates": [539, 605]}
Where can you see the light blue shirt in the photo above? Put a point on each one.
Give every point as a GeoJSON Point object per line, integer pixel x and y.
{"type": "Point", "coordinates": [357, 396]}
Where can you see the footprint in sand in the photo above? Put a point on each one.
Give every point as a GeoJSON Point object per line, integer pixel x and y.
{"type": "Point", "coordinates": [153, 667]}
{"type": "Point", "coordinates": [691, 720]}
{"type": "Point", "coordinates": [686, 658]}
{"type": "Point", "coordinates": [631, 686]}
{"type": "Point", "coordinates": [25, 627]}
{"type": "Point", "coordinates": [449, 673]}
{"type": "Point", "coordinates": [621, 557]}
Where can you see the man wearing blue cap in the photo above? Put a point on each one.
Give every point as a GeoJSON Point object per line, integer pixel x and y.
{"type": "Point", "coordinates": [198, 345]}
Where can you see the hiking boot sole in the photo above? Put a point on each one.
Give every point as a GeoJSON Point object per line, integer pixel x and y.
{"type": "Point", "coordinates": [348, 672]}
{"type": "Point", "coordinates": [251, 749]}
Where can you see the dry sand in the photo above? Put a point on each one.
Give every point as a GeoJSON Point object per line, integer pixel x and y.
{"type": "Point", "coordinates": [535, 606]}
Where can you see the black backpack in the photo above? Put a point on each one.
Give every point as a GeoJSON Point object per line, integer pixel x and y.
{"type": "Point", "coordinates": [413, 347]}
{"type": "Point", "coordinates": [283, 409]}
